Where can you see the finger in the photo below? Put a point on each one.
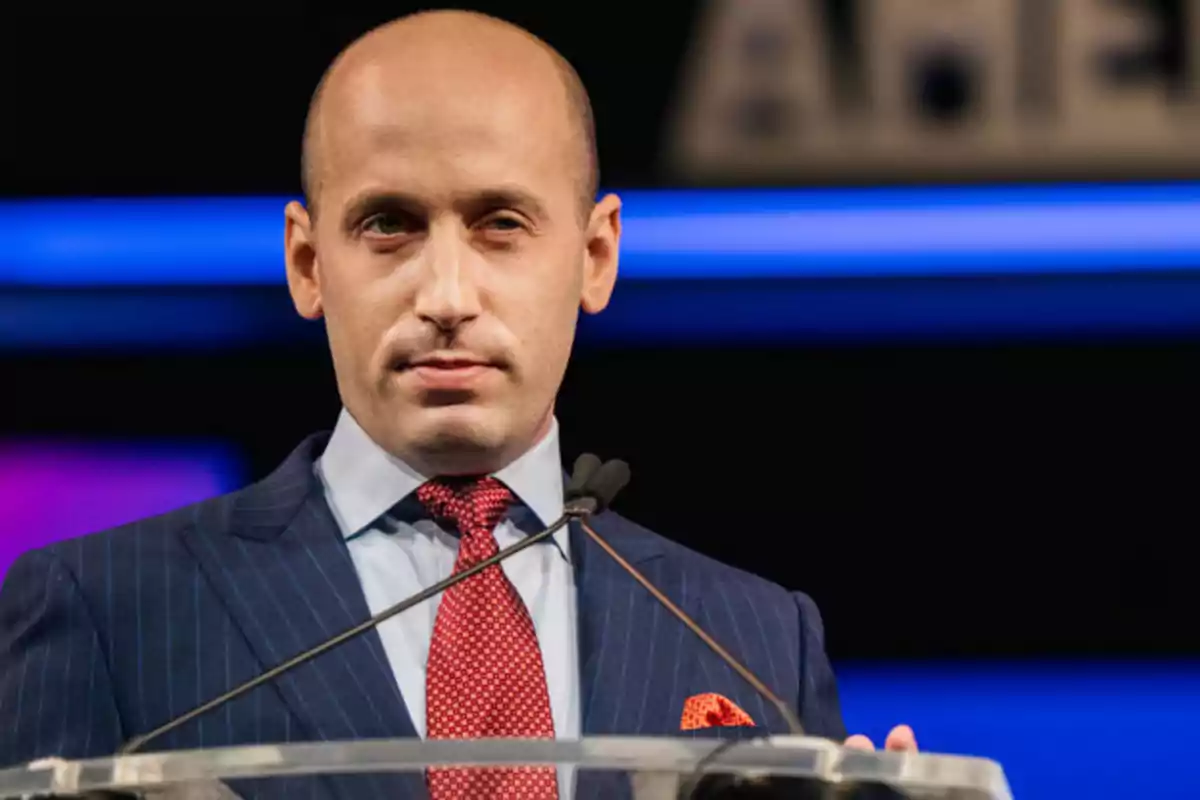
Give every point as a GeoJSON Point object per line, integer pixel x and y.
{"type": "Point", "coordinates": [901, 739]}
{"type": "Point", "coordinates": [859, 742]}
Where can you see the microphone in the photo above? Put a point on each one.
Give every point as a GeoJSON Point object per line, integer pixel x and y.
{"type": "Point", "coordinates": [590, 489]}
{"type": "Point", "coordinates": [605, 482]}
{"type": "Point", "coordinates": [585, 467]}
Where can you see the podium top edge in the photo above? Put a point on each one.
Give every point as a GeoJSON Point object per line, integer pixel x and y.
{"type": "Point", "coordinates": [785, 756]}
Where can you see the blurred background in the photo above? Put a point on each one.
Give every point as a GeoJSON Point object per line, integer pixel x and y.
{"type": "Point", "coordinates": [927, 271]}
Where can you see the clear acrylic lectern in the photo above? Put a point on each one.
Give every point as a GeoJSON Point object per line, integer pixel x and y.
{"type": "Point", "coordinates": [657, 768]}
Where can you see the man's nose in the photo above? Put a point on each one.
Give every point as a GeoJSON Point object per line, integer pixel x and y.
{"type": "Point", "coordinates": [448, 296]}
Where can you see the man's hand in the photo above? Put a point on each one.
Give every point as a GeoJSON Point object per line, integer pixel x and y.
{"type": "Point", "coordinates": [901, 739]}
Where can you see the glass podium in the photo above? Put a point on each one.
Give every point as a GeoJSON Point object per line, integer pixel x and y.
{"type": "Point", "coordinates": [645, 768]}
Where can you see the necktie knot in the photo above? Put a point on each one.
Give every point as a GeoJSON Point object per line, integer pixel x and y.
{"type": "Point", "coordinates": [473, 505]}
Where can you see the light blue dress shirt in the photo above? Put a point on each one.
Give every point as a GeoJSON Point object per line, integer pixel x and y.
{"type": "Point", "coordinates": [397, 554]}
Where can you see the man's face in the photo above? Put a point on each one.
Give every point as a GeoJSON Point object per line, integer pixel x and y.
{"type": "Point", "coordinates": [449, 258]}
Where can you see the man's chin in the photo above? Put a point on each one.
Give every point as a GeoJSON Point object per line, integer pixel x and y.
{"type": "Point", "coordinates": [460, 439]}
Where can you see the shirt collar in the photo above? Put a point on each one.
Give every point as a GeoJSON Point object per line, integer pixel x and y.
{"type": "Point", "coordinates": [363, 481]}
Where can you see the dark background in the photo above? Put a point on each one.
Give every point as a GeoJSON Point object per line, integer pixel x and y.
{"type": "Point", "coordinates": [998, 498]}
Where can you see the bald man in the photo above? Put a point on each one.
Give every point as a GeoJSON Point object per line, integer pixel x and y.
{"type": "Point", "coordinates": [450, 236]}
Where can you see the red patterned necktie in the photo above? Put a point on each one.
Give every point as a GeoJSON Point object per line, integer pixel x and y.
{"type": "Point", "coordinates": [485, 677]}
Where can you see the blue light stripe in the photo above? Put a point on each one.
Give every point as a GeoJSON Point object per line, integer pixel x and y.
{"type": "Point", "coordinates": [154, 241]}
{"type": "Point", "coordinates": [669, 235]}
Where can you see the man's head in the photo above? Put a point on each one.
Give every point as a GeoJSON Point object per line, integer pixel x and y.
{"type": "Point", "coordinates": [451, 235]}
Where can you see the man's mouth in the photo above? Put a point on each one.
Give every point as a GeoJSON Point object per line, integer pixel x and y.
{"type": "Point", "coordinates": [447, 363]}
{"type": "Point", "coordinates": [454, 373]}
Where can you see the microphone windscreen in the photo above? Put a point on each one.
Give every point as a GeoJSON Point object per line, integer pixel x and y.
{"type": "Point", "coordinates": [608, 481]}
{"type": "Point", "coordinates": [585, 467]}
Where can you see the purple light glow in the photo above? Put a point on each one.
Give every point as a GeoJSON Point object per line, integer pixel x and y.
{"type": "Point", "coordinates": [50, 491]}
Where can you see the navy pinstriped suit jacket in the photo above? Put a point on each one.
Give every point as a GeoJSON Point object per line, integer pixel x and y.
{"type": "Point", "coordinates": [111, 635]}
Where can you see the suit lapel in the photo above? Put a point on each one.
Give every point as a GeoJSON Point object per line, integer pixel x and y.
{"type": "Point", "coordinates": [634, 655]}
{"type": "Point", "coordinates": [288, 582]}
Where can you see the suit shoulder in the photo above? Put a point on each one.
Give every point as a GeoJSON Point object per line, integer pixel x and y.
{"type": "Point", "coordinates": [271, 502]}
{"type": "Point", "coordinates": [213, 514]}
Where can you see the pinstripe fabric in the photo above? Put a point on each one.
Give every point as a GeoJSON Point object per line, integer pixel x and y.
{"type": "Point", "coordinates": [108, 636]}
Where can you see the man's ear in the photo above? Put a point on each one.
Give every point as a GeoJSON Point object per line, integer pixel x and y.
{"type": "Point", "coordinates": [603, 253]}
{"type": "Point", "coordinates": [300, 256]}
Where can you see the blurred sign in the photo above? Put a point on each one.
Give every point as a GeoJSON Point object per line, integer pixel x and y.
{"type": "Point", "coordinates": [789, 89]}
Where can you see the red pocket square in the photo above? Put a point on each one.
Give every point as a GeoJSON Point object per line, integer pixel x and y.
{"type": "Point", "coordinates": [712, 710]}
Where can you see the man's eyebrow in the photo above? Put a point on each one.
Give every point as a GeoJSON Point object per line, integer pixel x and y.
{"type": "Point", "coordinates": [372, 201]}
{"type": "Point", "coordinates": [507, 197]}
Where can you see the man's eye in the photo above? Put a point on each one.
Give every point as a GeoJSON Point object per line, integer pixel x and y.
{"type": "Point", "coordinates": [503, 223]}
{"type": "Point", "coordinates": [387, 225]}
